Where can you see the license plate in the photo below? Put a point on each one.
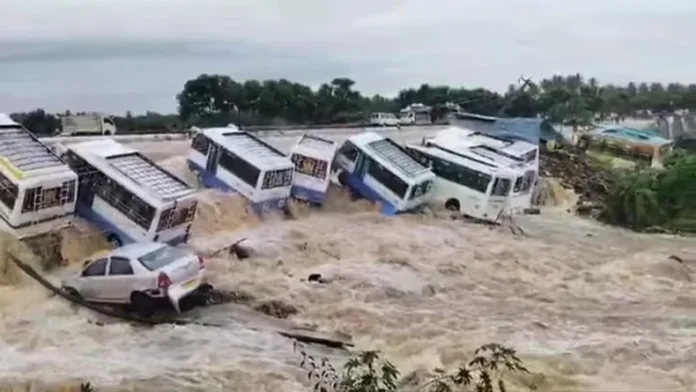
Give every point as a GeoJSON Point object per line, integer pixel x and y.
{"type": "Point", "coordinates": [190, 284]}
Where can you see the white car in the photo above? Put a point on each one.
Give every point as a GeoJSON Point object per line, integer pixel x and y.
{"type": "Point", "coordinates": [140, 274]}
{"type": "Point", "coordinates": [384, 119]}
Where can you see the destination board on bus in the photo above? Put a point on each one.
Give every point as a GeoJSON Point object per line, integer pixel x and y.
{"type": "Point", "coordinates": [310, 166]}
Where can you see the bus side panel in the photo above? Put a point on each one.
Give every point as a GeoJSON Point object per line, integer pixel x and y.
{"type": "Point", "coordinates": [111, 219]}
{"type": "Point", "coordinates": [309, 188]}
{"type": "Point", "coordinates": [104, 224]}
{"type": "Point", "coordinates": [471, 203]}
{"type": "Point", "coordinates": [372, 190]}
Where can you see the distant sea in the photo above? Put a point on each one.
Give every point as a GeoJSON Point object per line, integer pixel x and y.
{"type": "Point", "coordinates": [116, 77]}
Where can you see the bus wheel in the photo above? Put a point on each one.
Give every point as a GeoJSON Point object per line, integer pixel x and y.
{"type": "Point", "coordinates": [452, 205]}
{"type": "Point", "coordinates": [343, 178]}
{"type": "Point", "coordinates": [114, 240]}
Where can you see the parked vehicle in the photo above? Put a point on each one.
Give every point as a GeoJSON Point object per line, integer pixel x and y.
{"type": "Point", "coordinates": [313, 158]}
{"type": "Point", "coordinates": [87, 124]}
{"type": "Point", "coordinates": [129, 196]}
{"type": "Point", "coordinates": [384, 120]}
{"type": "Point", "coordinates": [378, 169]}
{"type": "Point", "coordinates": [236, 161]}
{"type": "Point", "coordinates": [140, 275]}
{"type": "Point", "coordinates": [627, 143]}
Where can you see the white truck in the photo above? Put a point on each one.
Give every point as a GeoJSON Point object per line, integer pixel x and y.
{"type": "Point", "coordinates": [87, 124]}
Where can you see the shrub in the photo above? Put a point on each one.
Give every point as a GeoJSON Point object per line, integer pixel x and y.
{"type": "Point", "coordinates": [367, 372]}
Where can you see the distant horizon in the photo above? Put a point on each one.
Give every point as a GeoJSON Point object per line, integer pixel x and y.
{"type": "Point", "coordinates": [120, 75]}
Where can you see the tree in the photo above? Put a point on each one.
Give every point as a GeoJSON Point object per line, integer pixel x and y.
{"type": "Point", "coordinates": [367, 372]}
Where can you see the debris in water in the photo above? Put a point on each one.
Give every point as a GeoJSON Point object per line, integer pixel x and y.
{"type": "Point", "coordinates": [276, 308]}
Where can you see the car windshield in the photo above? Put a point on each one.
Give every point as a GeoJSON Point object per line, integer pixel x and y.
{"type": "Point", "coordinates": [161, 257]}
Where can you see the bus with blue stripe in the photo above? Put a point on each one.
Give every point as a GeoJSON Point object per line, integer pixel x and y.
{"type": "Point", "coordinates": [232, 160]}
{"type": "Point", "coordinates": [378, 169]}
{"type": "Point", "coordinates": [128, 196]}
{"type": "Point", "coordinates": [313, 158]}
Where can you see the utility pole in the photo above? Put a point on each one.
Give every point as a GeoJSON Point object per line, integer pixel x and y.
{"type": "Point", "coordinates": [525, 83]}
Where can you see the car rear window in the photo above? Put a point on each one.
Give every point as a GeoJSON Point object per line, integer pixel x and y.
{"type": "Point", "coordinates": [161, 257]}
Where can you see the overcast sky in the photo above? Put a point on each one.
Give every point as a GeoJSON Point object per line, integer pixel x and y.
{"type": "Point", "coordinates": [382, 44]}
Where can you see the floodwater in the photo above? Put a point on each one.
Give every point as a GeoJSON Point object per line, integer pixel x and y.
{"type": "Point", "coordinates": [588, 307]}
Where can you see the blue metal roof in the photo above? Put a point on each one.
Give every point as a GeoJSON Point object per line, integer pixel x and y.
{"type": "Point", "coordinates": [532, 130]}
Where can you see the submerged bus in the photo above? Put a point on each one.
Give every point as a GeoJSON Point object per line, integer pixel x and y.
{"type": "Point", "coordinates": [378, 169]}
{"type": "Point", "coordinates": [128, 196]}
{"type": "Point", "coordinates": [519, 155]}
{"type": "Point", "coordinates": [37, 188]}
{"type": "Point", "coordinates": [234, 160]}
{"type": "Point", "coordinates": [476, 187]}
{"type": "Point", "coordinates": [313, 158]}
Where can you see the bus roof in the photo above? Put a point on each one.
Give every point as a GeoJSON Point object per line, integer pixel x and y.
{"type": "Point", "coordinates": [314, 145]}
{"type": "Point", "coordinates": [120, 162]}
{"type": "Point", "coordinates": [387, 150]}
{"type": "Point", "coordinates": [467, 138]}
{"type": "Point", "coordinates": [23, 154]}
{"type": "Point", "coordinates": [463, 158]}
{"type": "Point", "coordinates": [249, 147]}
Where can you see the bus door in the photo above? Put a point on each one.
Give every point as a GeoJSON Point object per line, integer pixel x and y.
{"type": "Point", "coordinates": [213, 157]}
{"type": "Point", "coordinates": [499, 195]}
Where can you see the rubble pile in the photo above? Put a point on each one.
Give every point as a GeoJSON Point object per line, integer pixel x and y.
{"type": "Point", "coordinates": [573, 169]}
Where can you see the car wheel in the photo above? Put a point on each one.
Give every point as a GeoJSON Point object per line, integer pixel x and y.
{"type": "Point", "coordinates": [72, 293]}
{"type": "Point", "coordinates": [452, 205]}
{"type": "Point", "coordinates": [114, 240]}
{"type": "Point", "coordinates": [142, 304]}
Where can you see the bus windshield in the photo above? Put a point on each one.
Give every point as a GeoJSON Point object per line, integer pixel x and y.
{"type": "Point", "coordinates": [277, 178]}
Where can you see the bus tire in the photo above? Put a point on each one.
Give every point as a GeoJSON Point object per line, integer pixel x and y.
{"type": "Point", "coordinates": [114, 240]}
{"type": "Point", "coordinates": [142, 304]}
{"type": "Point", "coordinates": [343, 178]}
{"type": "Point", "coordinates": [452, 205]}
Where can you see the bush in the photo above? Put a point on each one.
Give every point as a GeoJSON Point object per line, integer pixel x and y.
{"type": "Point", "coordinates": [368, 373]}
{"type": "Point", "coordinates": [649, 198]}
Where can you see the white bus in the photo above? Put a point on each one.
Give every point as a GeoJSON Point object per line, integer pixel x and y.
{"type": "Point", "coordinates": [514, 153]}
{"type": "Point", "coordinates": [378, 169]}
{"type": "Point", "coordinates": [37, 188]}
{"type": "Point", "coordinates": [313, 158]}
{"type": "Point", "coordinates": [234, 160]}
{"type": "Point", "coordinates": [128, 196]}
{"type": "Point", "coordinates": [479, 188]}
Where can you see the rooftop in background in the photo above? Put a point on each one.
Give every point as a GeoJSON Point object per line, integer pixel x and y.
{"type": "Point", "coordinates": [630, 134]}
{"type": "Point", "coordinates": [532, 130]}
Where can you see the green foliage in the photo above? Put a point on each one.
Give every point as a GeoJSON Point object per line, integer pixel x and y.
{"type": "Point", "coordinates": [651, 199]}
{"type": "Point", "coordinates": [214, 100]}
{"type": "Point", "coordinates": [368, 373]}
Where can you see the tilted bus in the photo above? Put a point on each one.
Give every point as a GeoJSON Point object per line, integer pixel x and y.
{"type": "Point", "coordinates": [130, 197]}
{"type": "Point", "coordinates": [506, 151]}
{"type": "Point", "coordinates": [313, 158]}
{"type": "Point", "coordinates": [232, 160]}
{"type": "Point", "coordinates": [475, 186]}
{"type": "Point", "coordinates": [378, 169]}
{"type": "Point", "coordinates": [37, 188]}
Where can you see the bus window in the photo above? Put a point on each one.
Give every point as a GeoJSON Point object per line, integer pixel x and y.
{"type": "Point", "coordinates": [501, 187]}
{"type": "Point", "coordinates": [277, 178]}
{"type": "Point", "coordinates": [8, 192]}
{"type": "Point", "coordinates": [239, 167]}
{"type": "Point", "coordinates": [349, 151]}
{"type": "Point", "coordinates": [387, 178]}
{"type": "Point", "coordinates": [200, 143]}
{"type": "Point", "coordinates": [518, 184]}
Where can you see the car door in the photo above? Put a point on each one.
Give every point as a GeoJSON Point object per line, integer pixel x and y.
{"type": "Point", "coordinates": [119, 284]}
{"type": "Point", "coordinates": [93, 279]}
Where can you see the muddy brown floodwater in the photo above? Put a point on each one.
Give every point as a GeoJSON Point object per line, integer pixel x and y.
{"type": "Point", "coordinates": [588, 307]}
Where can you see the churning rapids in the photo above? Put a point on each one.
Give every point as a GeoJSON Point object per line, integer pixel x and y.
{"type": "Point", "coordinates": [588, 307]}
